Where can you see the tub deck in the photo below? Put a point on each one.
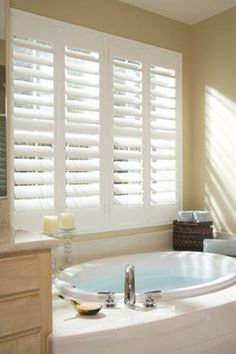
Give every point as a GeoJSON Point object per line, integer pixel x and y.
{"type": "Point", "coordinates": [205, 324]}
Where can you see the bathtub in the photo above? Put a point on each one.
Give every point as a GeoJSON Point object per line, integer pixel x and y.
{"type": "Point", "coordinates": [173, 274]}
{"type": "Point", "coordinates": [182, 323]}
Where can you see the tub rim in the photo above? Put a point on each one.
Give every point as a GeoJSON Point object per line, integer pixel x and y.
{"type": "Point", "coordinates": [68, 290]}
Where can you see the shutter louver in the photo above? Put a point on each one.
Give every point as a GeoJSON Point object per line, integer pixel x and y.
{"type": "Point", "coordinates": [163, 135]}
{"type": "Point", "coordinates": [82, 128]}
{"type": "Point", "coordinates": [33, 121]}
{"type": "Point", "coordinates": [127, 133]}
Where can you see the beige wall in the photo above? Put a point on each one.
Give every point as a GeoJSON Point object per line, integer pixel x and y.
{"type": "Point", "coordinates": [117, 18]}
{"type": "Point", "coordinates": [2, 52]}
{"type": "Point", "coordinates": [214, 118]}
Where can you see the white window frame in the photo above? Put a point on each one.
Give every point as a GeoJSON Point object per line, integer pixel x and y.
{"type": "Point", "coordinates": [106, 219]}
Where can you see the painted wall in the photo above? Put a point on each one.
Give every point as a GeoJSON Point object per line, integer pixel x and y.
{"type": "Point", "coordinates": [2, 52]}
{"type": "Point", "coordinates": [214, 118]}
{"type": "Point", "coordinates": [123, 20]}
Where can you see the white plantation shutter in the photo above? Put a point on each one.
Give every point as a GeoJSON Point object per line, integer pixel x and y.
{"type": "Point", "coordinates": [127, 133]}
{"type": "Point", "coordinates": [127, 192]}
{"type": "Point", "coordinates": [82, 128]}
{"type": "Point", "coordinates": [33, 120]}
{"type": "Point", "coordinates": [96, 127]}
{"type": "Point", "coordinates": [163, 141]}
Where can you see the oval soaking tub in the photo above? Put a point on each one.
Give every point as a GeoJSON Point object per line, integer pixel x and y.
{"type": "Point", "coordinates": [175, 274]}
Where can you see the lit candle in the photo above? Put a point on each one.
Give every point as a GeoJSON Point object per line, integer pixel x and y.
{"type": "Point", "coordinates": [67, 220]}
{"type": "Point", "coordinates": [50, 224]}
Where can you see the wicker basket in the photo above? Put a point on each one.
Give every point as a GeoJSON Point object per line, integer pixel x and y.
{"type": "Point", "coordinates": [189, 236]}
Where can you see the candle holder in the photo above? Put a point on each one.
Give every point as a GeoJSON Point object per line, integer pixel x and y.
{"type": "Point", "coordinates": [68, 259]}
{"type": "Point", "coordinates": [50, 228]}
{"type": "Point", "coordinates": [55, 269]}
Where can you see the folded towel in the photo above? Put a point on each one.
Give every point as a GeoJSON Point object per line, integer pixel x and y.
{"type": "Point", "coordinates": [225, 247]}
{"type": "Point", "coordinates": [185, 216]}
{"type": "Point", "coordinates": [201, 216]}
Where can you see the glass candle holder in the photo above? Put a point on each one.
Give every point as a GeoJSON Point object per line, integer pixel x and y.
{"type": "Point", "coordinates": [55, 268]}
{"type": "Point", "coordinates": [68, 258]}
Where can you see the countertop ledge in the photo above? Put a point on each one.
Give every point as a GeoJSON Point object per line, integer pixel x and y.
{"type": "Point", "coordinates": [19, 241]}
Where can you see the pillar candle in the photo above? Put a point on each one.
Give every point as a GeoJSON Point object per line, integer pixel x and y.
{"type": "Point", "coordinates": [67, 221]}
{"type": "Point", "coordinates": [50, 224]}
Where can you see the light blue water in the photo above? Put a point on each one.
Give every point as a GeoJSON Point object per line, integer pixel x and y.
{"type": "Point", "coordinates": [164, 271]}
{"type": "Point", "coordinates": [142, 284]}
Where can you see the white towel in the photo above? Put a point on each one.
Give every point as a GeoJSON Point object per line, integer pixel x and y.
{"type": "Point", "coordinates": [201, 216]}
{"type": "Point", "coordinates": [225, 247]}
{"type": "Point", "coordinates": [185, 216]}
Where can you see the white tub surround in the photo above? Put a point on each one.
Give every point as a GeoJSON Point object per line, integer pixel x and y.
{"type": "Point", "coordinates": [199, 325]}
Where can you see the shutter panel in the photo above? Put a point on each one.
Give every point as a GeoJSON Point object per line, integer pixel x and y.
{"type": "Point", "coordinates": [163, 153]}
{"type": "Point", "coordinates": [127, 132]}
{"type": "Point", "coordinates": [127, 140]}
{"type": "Point", "coordinates": [33, 124]}
{"type": "Point", "coordinates": [82, 129]}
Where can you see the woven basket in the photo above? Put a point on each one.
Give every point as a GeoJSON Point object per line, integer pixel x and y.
{"type": "Point", "coordinates": [189, 236]}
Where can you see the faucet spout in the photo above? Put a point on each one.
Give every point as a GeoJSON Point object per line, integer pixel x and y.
{"type": "Point", "coordinates": [129, 286]}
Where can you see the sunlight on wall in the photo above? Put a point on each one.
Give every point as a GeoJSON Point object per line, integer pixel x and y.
{"type": "Point", "coordinates": [220, 150]}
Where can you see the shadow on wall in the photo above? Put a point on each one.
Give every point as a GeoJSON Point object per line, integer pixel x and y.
{"type": "Point", "coordinates": [220, 159]}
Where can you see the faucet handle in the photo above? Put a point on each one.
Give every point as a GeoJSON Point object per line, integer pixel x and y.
{"type": "Point", "coordinates": [149, 300]}
{"type": "Point", "coordinates": [110, 299]}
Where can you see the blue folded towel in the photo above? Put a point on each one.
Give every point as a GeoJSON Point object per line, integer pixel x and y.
{"type": "Point", "coordinates": [201, 216]}
{"type": "Point", "coordinates": [185, 216]}
{"type": "Point", "coordinates": [225, 247]}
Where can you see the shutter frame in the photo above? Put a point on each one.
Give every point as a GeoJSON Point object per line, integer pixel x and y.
{"type": "Point", "coordinates": [108, 46]}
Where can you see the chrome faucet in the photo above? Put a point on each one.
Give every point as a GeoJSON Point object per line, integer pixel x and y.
{"type": "Point", "coordinates": [129, 288]}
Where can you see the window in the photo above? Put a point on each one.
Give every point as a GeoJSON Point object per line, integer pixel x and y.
{"type": "Point", "coordinates": [96, 126]}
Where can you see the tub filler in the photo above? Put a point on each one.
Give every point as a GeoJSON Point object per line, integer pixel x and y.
{"type": "Point", "coordinates": [182, 322]}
